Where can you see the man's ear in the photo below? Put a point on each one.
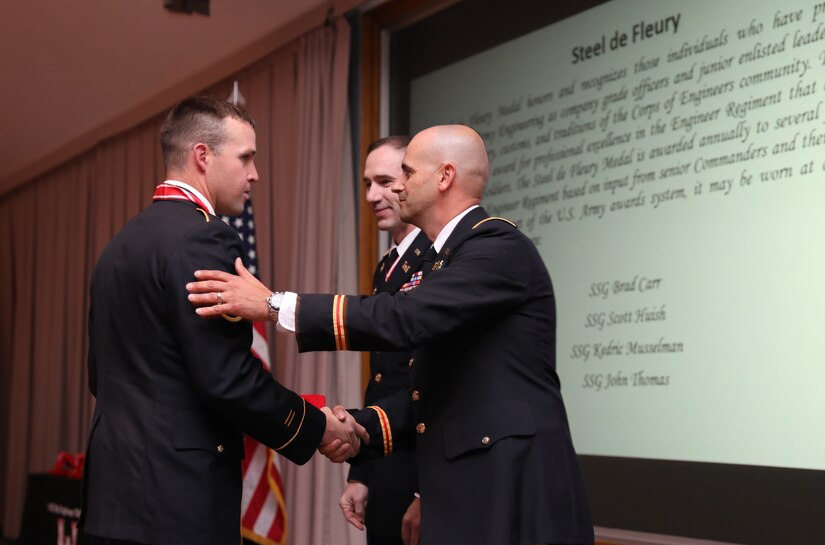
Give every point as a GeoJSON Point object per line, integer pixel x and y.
{"type": "Point", "coordinates": [201, 152]}
{"type": "Point", "coordinates": [447, 177]}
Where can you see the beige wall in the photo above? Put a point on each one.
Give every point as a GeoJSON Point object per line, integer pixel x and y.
{"type": "Point", "coordinates": [76, 72]}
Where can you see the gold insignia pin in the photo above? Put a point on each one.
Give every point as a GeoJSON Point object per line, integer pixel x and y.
{"type": "Point", "coordinates": [417, 251]}
{"type": "Point", "coordinates": [406, 267]}
{"type": "Point", "coordinates": [438, 264]}
{"type": "Point", "coordinates": [446, 251]}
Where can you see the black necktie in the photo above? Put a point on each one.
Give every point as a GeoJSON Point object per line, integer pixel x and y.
{"type": "Point", "coordinates": [380, 276]}
{"type": "Point", "coordinates": [427, 261]}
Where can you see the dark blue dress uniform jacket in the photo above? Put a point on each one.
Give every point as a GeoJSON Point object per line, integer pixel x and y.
{"type": "Point", "coordinates": [496, 460]}
{"type": "Point", "coordinates": [174, 391]}
{"type": "Point", "coordinates": [393, 480]}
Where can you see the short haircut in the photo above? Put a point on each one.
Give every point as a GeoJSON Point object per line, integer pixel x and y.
{"type": "Point", "coordinates": [193, 121]}
{"type": "Point", "coordinates": [396, 142]}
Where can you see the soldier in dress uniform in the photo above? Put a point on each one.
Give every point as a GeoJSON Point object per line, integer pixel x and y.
{"type": "Point", "coordinates": [380, 493]}
{"type": "Point", "coordinates": [174, 393]}
{"type": "Point", "coordinates": [496, 460]}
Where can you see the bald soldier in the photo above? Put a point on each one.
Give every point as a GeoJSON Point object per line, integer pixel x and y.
{"type": "Point", "coordinates": [495, 457]}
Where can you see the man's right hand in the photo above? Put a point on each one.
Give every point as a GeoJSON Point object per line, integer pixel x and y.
{"type": "Point", "coordinates": [352, 503]}
{"type": "Point", "coordinates": [343, 436]}
{"type": "Point", "coordinates": [411, 523]}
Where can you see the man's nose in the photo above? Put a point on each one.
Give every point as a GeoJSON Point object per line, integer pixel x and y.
{"type": "Point", "coordinates": [372, 194]}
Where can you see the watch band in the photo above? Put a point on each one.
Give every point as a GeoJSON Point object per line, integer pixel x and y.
{"type": "Point", "coordinates": [273, 302]}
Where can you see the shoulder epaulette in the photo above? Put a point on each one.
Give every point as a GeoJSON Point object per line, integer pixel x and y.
{"type": "Point", "coordinates": [205, 215]}
{"type": "Point", "coordinates": [491, 218]}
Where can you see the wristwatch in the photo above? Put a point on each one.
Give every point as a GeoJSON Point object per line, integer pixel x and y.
{"type": "Point", "coordinates": [274, 304]}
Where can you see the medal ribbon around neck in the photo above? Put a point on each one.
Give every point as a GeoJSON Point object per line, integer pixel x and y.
{"type": "Point", "coordinates": [169, 192]}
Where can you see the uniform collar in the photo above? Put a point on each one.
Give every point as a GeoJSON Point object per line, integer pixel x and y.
{"type": "Point", "coordinates": [448, 229]}
{"type": "Point", "coordinates": [407, 241]}
{"type": "Point", "coordinates": [198, 194]}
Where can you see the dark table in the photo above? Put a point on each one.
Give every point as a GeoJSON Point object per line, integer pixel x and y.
{"type": "Point", "coordinates": [52, 510]}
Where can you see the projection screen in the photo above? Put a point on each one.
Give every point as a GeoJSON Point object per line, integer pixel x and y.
{"type": "Point", "coordinates": [668, 160]}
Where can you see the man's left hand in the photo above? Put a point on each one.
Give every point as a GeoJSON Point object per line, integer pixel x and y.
{"type": "Point", "coordinates": [218, 292]}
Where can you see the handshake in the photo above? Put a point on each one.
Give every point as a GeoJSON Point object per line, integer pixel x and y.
{"type": "Point", "coordinates": [343, 436]}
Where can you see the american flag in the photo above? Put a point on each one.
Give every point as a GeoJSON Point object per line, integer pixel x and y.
{"type": "Point", "coordinates": [263, 514]}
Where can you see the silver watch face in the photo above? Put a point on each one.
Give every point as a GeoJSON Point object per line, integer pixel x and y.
{"type": "Point", "coordinates": [274, 301]}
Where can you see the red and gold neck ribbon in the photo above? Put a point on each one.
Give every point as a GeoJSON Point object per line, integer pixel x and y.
{"type": "Point", "coordinates": [169, 192]}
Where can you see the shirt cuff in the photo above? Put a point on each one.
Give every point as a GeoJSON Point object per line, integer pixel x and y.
{"type": "Point", "coordinates": [286, 316]}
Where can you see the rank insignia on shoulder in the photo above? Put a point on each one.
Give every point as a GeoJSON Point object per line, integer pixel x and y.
{"type": "Point", "coordinates": [415, 280]}
{"type": "Point", "coordinates": [405, 267]}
